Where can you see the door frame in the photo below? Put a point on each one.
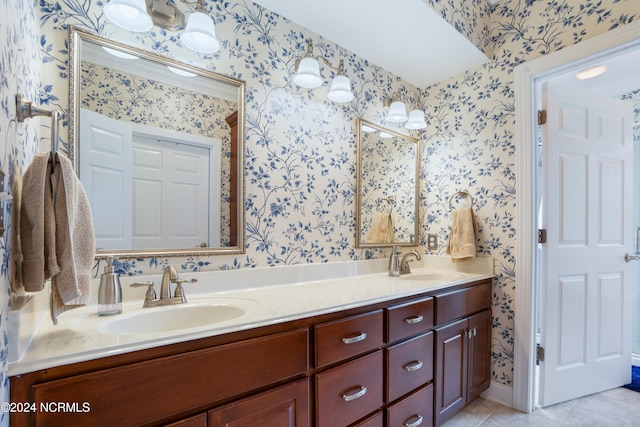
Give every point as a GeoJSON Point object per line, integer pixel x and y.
{"type": "Point", "coordinates": [528, 78]}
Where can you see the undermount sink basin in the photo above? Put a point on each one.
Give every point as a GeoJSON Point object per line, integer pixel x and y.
{"type": "Point", "coordinates": [168, 319]}
{"type": "Point", "coordinates": [435, 277]}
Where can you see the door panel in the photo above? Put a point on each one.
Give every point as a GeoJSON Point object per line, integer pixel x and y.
{"type": "Point", "coordinates": [586, 314]}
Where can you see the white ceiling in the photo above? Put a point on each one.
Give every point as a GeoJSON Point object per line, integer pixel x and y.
{"type": "Point", "coordinates": [404, 37]}
{"type": "Point", "coordinates": [621, 76]}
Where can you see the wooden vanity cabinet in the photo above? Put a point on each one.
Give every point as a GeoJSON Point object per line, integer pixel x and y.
{"type": "Point", "coordinates": [462, 353]}
{"type": "Point", "coordinates": [409, 361]}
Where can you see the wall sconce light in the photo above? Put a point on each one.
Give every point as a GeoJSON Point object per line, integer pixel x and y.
{"type": "Point", "coordinates": [398, 114]}
{"type": "Point", "coordinates": [141, 15]}
{"type": "Point", "coordinates": [308, 76]}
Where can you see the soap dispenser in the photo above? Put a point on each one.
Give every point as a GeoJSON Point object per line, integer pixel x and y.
{"type": "Point", "coordinates": [110, 291]}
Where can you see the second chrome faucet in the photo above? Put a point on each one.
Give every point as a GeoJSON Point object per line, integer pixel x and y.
{"type": "Point", "coordinates": [169, 276]}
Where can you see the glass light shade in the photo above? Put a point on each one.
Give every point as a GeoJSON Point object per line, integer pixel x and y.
{"type": "Point", "coordinates": [397, 113]}
{"type": "Point", "coordinates": [200, 34]}
{"type": "Point", "coordinates": [129, 14]}
{"type": "Point", "coordinates": [340, 90]}
{"type": "Point", "coordinates": [308, 74]}
{"type": "Point", "coordinates": [416, 120]}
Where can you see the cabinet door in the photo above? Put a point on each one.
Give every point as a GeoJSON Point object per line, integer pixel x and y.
{"type": "Point", "coordinates": [285, 406]}
{"type": "Point", "coordinates": [451, 370]}
{"type": "Point", "coordinates": [479, 353]}
{"type": "Point", "coordinates": [199, 420]}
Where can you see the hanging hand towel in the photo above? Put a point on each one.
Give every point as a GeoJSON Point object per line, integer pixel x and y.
{"type": "Point", "coordinates": [381, 229]}
{"type": "Point", "coordinates": [462, 239]}
{"type": "Point", "coordinates": [75, 241]}
{"type": "Point", "coordinates": [37, 225]}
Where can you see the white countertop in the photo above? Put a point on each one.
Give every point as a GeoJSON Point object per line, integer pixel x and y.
{"type": "Point", "coordinates": [267, 296]}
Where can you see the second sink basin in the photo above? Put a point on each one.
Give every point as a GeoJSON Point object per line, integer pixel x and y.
{"type": "Point", "coordinates": [166, 319]}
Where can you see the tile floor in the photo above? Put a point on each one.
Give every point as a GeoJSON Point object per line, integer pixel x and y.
{"type": "Point", "coordinates": [619, 407]}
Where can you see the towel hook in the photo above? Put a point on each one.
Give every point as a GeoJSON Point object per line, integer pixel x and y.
{"type": "Point", "coordinates": [461, 193]}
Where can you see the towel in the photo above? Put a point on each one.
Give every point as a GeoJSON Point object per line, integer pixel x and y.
{"type": "Point", "coordinates": [37, 225]}
{"type": "Point", "coordinates": [74, 240]}
{"type": "Point", "coordinates": [462, 239]}
{"type": "Point", "coordinates": [381, 229]}
{"type": "Point", "coordinates": [56, 233]}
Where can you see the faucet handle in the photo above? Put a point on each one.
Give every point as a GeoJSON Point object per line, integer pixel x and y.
{"type": "Point", "coordinates": [150, 295]}
{"type": "Point", "coordinates": [179, 292]}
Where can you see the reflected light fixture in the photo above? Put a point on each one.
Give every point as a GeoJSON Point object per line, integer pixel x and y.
{"type": "Point", "coordinates": [141, 15]}
{"type": "Point", "coordinates": [308, 76]}
{"type": "Point", "coordinates": [119, 53]}
{"type": "Point", "coordinates": [398, 114]}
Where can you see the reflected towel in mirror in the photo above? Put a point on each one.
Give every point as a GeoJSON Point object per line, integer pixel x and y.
{"type": "Point", "coordinates": [382, 228]}
{"type": "Point", "coordinates": [462, 238]}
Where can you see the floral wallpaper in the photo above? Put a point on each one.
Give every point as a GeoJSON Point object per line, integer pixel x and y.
{"type": "Point", "coordinates": [157, 104]}
{"type": "Point", "coordinates": [470, 144]}
{"type": "Point", "coordinates": [19, 73]}
{"type": "Point", "coordinates": [300, 148]}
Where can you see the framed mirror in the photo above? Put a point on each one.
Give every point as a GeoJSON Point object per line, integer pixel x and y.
{"type": "Point", "coordinates": [387, 184]}
{"type": "Point", "coordinates": [158, 146]}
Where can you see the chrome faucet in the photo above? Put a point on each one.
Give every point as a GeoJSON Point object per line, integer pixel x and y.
{"type": "Point", "coordinates": [169, 276]}
{"type": "Point", "coordinates": [394, 263]}
{"type": "Point", "coordinates": [404, 264]}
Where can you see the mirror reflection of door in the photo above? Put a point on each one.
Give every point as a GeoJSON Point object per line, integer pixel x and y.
{"type": "Point", "coordinates": [147, 191]}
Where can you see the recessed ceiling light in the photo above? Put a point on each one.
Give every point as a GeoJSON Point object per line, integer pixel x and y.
{"type": "Point", "coordinates": [591, 72]}
{"type": "Point", "coordinates": [119, 53]}
{"type": "Point", "coordinates": [181, 72]}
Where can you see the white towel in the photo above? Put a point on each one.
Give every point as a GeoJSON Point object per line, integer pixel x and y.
{"type": "Point", "coordinates": [462, 239]}
{"type": "Point", "coordinates": [381, 229]}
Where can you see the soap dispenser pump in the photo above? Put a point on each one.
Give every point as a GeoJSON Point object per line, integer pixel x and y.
{"type": "Point", "coordinates": [110, 291]}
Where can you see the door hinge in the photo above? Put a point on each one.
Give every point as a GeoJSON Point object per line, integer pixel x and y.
{"type": "Point", "coordinates": [539, 354]}
{"type": "Point", "coordinates": [542, 117]}
{"type": "Point", "coordinates": [542, 235]}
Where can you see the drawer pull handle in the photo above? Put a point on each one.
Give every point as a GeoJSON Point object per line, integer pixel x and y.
{"type": "Point", "coordinates": [357, 338]}
{"type": "Point", "coordinates": [414, 320]}
{"type": "Point", "coordinates": [413, 366]}
{"type": "Point", "coordinates": [354, 396]}
{"type": "Point", "coordinates": [416, 423]}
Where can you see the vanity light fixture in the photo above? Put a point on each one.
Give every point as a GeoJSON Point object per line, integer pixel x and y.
{"type": "Point", "coordinates": [119, 54]}
{"type": "Point", "coordinates": [398, 114]}
{"type": "Point", "coordinates": [141, 15]}
{"type": "Point", "coordinates": [181, 72]}
{"type": "Point", "coordinates": [308, 76]}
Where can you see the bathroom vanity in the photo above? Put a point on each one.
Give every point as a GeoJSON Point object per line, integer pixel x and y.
{"type": "Point", "coordinates": [411, 358]}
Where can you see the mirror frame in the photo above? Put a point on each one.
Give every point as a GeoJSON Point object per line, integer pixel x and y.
{"type": "Point", "coordinates": [359, 244]}
{"type": "Point", "coordinates": [76, 36]}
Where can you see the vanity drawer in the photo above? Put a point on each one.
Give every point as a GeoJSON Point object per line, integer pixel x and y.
{"type": "Point", "coordinates": [457, 304]}
{"type": "Point", "coordinates": [376, 420]}
{"type": "Point", "coordinates": [348, 337]}
{"type": "Point", "coordinates": [415, 410]}
{"type": "Point", "coordinates": [409, 365]}
{"type": "Point", "coordinates": [350, 391]}
{"type": "Point", "coordinates": [143, 392]}
{"type": "Point", "coordinates": [409, 319]}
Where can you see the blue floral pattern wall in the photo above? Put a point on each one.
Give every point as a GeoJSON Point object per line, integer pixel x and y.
{"type": "Point", "coordinates": [300, 148]}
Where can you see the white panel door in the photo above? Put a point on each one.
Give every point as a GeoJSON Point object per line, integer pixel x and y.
{"type": "Point", "coordinates": [586, 291]}
{"type": "Point", "coordinates": [105, 150]}
{"type": "Point", "coordinates": [171, 185]}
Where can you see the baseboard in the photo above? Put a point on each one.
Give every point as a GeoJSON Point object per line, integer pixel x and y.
{"type": "Point", "coordinates": [635, 360]}
{"type": "Point", "coordinates": [499, 393]}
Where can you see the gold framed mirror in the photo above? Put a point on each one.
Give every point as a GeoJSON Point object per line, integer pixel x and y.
{"type": "Point", "coordinates": [387, 187]}
{"type": "Point", "coordinates": [159, 147]}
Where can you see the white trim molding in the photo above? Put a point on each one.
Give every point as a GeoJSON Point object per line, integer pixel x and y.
{"type": "Point", "coordinates": [528, 77]}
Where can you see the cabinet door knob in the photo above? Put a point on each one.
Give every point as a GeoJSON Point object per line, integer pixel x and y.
{"type": "Point", "coordinates": [412, 320]}
{"type": "Point", "coordinates": [357, 338]}
{"type": "Point", "coordinates": [354, 396]}
{"type": "Point", "coordinates": [413, 366]}
{"type": "Point", "coordinates": [416, 423]}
